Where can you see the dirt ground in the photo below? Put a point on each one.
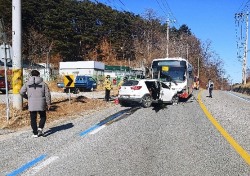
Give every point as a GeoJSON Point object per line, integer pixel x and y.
{"type": "Point", "coordinates": [61, 108]}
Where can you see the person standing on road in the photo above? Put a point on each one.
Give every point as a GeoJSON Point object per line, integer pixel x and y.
{"type": "Point", "coordinates": [210, 86]}
{"type": "Point", "coordinates": [39, 98]}
{"type": "Point", "coordinates": [108, 87]}
{"type": "Point", "coordinates": [122, 82]}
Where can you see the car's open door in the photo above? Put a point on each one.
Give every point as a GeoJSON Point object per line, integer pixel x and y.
{"type": "Point", "coordinates": [166, 94]}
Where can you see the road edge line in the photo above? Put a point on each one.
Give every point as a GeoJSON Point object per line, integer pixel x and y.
{"type": "Point", "coordinates": [27, 166]}
{"type": "Point", "coordinates": [243, 153]}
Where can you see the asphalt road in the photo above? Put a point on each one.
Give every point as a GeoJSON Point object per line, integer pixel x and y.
{"type": "Point", "coordinates": [172, 140]}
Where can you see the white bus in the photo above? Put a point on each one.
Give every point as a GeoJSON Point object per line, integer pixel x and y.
{"type": "Point", "coordinates": [176, 72]}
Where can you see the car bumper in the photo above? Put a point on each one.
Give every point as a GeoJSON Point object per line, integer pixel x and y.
{"type": "Point", "coordinates": [130, 100]}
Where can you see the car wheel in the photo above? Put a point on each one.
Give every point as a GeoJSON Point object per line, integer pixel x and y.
{"type": "Point", "coordinates": [3, 91]}
{"type": "Point", "coordinates": [146, 101]}
{"type": "Point", "coordinates": [175, 100]}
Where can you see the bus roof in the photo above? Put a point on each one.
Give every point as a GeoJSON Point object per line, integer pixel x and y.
{"type": "Point", "coordinates": [173, 59]}
{"type": "Point", "coordinates": [170, 58]}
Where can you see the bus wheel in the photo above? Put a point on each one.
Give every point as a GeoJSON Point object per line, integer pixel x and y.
{"type": "Point", "coordinates": [175, 100]}
{"type": "Point", "coordinates": [146, 101]}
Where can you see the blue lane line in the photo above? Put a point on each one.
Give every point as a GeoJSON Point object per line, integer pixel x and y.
{"type": "Point", "coordinates": [242, 98]}
{"type": "Point", "coordinates": [110, 118]}
{"type": "Point", "coordinates": [26, 166]}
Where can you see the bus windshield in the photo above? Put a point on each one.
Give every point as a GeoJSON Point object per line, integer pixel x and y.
{"type": "Point", "coordinates": [176, 73]}
{"type": "Point", "coordinates": [169, 70]}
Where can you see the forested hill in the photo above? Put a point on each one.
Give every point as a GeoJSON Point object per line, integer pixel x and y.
{"type": "Point", "coordinates": [70, 30]}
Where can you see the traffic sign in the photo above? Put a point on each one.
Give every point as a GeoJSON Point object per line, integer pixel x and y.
{"type": "Point", "coordinates": [6, 52]}
{"type": "Point", "coordinates": [68, 81]}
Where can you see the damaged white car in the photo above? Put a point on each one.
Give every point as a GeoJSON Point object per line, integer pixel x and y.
{"type": "Point", "coordinates": [145, 92]}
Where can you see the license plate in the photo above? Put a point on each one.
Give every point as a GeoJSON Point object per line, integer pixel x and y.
{"type": "Point", "coordinates": [125, 96]}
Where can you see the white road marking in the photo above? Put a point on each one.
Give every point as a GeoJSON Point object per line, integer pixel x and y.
{"type": "Point", "coordinates": [238, 97]}
{"type": "Point", "coordinates": [40, 166]}
{"type": "Point", "coordinates": [97, 129]}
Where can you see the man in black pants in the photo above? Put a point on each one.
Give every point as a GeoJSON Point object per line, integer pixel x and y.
{"type": "Point", "coordinates": [210, 86]}
{"type": "Point", "coordinates": [108, 87]}
{"type": "Point", "coordinates": [38, 94]}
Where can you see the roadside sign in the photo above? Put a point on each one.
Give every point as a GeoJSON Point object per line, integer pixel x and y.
{"type": "Point", "coordinates": [6, 52]}
{"type": "Point", "coordinates": [68, 80]}
{"type": "Point", "coordinates": [165, 68]}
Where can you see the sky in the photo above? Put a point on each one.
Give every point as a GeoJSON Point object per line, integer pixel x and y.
{"type": "Point", "coordinates": [209, 20]}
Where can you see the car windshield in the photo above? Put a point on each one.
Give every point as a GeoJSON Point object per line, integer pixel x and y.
{"type": "Point", "coordinates": [80, 78]}
{"type": "Point", "coordinates": [130, 83]}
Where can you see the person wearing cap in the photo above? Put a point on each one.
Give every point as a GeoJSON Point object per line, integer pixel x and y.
{"type": "Point", "coordinates": [108, 87]}
{"type": "Point", "coordinates": [39, 98]}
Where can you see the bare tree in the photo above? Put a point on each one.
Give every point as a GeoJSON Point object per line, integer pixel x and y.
{"type": "Point", "coordinates": [38, 47]}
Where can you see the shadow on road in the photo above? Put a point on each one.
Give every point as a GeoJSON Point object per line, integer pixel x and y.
{"type": "Point", "coordinates": [58, 128]}
{"type": "Point", "coordinates": [158, 107]}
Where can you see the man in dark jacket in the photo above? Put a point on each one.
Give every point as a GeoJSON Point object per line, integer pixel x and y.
{"type": "Point", "coordinates": [38, 94]}
{"type": "Point", "coordinates": [210, 86]}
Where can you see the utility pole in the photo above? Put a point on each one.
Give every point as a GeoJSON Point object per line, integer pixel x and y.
{"type": "Point", "coordinates": [168, 24]}
{"type": "Point", "coordinates": [239, 17]}
{"type": "Point", "coordinates": [17, 79]}
{"type": "Point", "coordinates": [167, 35]}
{"type": "Point", "coordinates": [198, 67]}
{"type": "Point", "coordinates": [244, 67]}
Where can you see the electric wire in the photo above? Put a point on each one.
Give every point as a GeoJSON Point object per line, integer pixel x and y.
{"type": "Point", "coordinates": [242, 5]}
{"type": "Point", "coordinates": [245, 9]}
{"type": "Point", "coordinates": [167, 6]}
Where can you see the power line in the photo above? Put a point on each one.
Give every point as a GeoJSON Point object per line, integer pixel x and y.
{"type": "Point", "coordinates": [241, 6]}
{"type": "Point", "coordinates": [161, 8]}
{"type": "Point", "coordinates": [245, 8]}
{"type": "Point", "coordinates": [121, 3]}
{"type": "Point", "coordinates": [167, 7]}
{"type": "Point", "coordinates": [167, 11]}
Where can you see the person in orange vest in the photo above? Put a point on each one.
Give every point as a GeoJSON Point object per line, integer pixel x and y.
{"type": "Point", "coordinates": [108, 87]}
{"type": "Point", "coordinates": [196, 84]}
